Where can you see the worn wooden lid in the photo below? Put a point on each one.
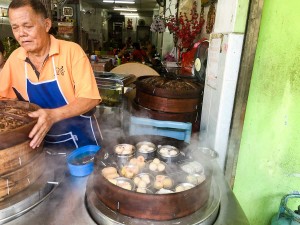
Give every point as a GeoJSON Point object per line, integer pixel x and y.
{"type": "Point", "coordinates": [170, 87]}
{"type": "Point", "coordinates": [15, 124]}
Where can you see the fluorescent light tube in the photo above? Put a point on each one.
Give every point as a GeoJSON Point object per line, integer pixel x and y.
{"type": "Point", "coordinates": [125, 9]}
{"type": "Point", "coordinates": [129, 14]}
{"type": "Point", "coordinates": [121, 1]}
{"type": "Point", "coordinates": [125, 2]}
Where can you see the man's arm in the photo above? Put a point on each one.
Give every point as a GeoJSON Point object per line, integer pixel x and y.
{"type": "Point", "coordinates": [47, 117]}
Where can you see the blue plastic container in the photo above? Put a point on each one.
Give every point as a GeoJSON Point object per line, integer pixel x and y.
{"type": "Point", "coordinates": [81, 161]}
{"type": "Point", "coordinates": [172, 129]}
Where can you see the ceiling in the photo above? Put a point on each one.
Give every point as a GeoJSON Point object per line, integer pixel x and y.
{"type": "Point", "coordinates": [144, 7]}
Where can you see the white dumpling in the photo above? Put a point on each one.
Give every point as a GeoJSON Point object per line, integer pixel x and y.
{"type": "Point", "coordinates": [146, 178]}
{"type": "Point", "coordinates": [153, 166]}
{"type": "Point", "coordinates": [161, 167]}
{"type": "Point", "coordinates": [156, 161]}
{"type": "Point", "coordinates": [173, 152]}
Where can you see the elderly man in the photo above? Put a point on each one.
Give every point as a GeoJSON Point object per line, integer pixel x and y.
{"type": "Point", "coordinates": [54, 74]}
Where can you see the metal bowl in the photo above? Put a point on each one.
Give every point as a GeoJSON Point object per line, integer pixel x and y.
{"type": "Point", "coordinates": [195, 178]}
{"type": "Point", "coordinates": [183, 187]}
{"type": "Point", "coordinates": [146, 149]}
{"type": "Point", "coordinates": [163, 191]}
{"type": "Point", "coordinates": [163, 181]}
{"type": "Point", "coordinates": [143, 191]}
{"type": "Point", "coordinates": [124, 152]}
{"type": "Point", "coordinates": [122, 182]}
{"type": "Point", "coordinates": [192, 167]}
{"type": "Point", "coordinates": [129, 170]}
{"type": "Point", "coordinates": [168, 153]}
{"type": "Point", "coordinates": [146, 177]}
{"type": "Point", "coordinates": [156, 166]}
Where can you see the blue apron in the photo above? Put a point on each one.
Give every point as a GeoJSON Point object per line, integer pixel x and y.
{"type": "Point", "coordinates": [73, 132]}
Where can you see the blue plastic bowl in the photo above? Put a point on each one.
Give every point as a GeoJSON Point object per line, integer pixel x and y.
{"type": "Point", "coordinates": [81, 161]}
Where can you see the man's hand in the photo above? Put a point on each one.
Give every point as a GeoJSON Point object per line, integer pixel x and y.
{"type": "Point", "coordinates": [47, 117]}
{"type": "Point", "coordinates": [45, 121]}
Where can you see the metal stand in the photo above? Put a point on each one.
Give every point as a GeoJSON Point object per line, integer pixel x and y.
{"type": "Point", "coordinates": [26, 200]}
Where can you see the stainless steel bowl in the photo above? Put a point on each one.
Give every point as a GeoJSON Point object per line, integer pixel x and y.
{"type": "Point", "coordinates": [144, 191]}
{"type": "Point", "coordinates": [123, 181]}
{"type": "Point", "coordinates": [155, 167]}
{"type": "Point", "coordinates": [146, 149]}
{"type": "Point", "coordinates": [195, 178]}
{"type": "Point", "coordinates": [123, 157]}
{"type": "Point", "coordinates": [183, 187]}
{"type": "Point", "coordinates": [166, 182]}
{"type": "Point", "coordinates": [146, 177]}
{"type": "Point", "coordinates": [192, 167]}
{"type": "Point", "coordinates": [168, 153]}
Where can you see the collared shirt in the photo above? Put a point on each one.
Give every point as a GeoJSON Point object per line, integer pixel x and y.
{"type": "Point", "coordinates": [74, 72]}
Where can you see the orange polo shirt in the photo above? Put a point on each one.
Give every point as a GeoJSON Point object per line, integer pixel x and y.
{"type": "Point", "coordinates": [74, 72]}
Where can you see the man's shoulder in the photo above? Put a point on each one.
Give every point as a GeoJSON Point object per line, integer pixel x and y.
{"type": "Point", "coordinates": [67, 44]}
{"type": "Point", "coordinates": [63, 44]}
{"type": "Point", "coordinates": [17, 54]}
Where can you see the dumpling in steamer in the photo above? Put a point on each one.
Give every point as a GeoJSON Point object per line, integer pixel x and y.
{"type": "Point", "coordinates": [153, 166]}
{"type": "Point", "coordinates": [161, 167]}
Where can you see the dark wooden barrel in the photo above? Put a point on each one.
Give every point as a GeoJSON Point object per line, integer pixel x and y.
{"type": "Point", "coordinates": [168, 99]}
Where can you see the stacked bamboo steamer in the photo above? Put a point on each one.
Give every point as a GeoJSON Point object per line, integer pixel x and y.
{"type": "Point", "coordinates": [20, 165]}
{"type": "Point", "coordinates": [169, 98]}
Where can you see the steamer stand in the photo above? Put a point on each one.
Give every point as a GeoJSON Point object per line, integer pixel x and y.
{"type": "Point", "coordinates": [24, 201]}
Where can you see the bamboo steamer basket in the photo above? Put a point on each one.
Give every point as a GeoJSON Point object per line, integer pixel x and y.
{"type": "Point", "coordinates": [147, 206]}
{"type": "Point", "coordinates": [12, 137]}
{"type": "Point", "coordinates": [18, 180]}
{"type": "Point", "coordinates": [16, 156]}
{"type": "Point", "coordinates": [169, 94]}
{"type": "Point", "coordinates": [169, 99]}
{"type": "Point", "coordinates": [151, 206]}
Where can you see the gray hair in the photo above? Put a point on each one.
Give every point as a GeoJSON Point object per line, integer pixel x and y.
{"type": "Point", "coordinates": [37, 6]}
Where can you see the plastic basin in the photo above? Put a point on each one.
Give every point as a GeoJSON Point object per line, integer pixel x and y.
{"type": "Point", "coordinates": [81, 161]}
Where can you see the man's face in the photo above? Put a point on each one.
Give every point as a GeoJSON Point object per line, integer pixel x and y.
{"type": "Point", "coordinates": [30, 29]}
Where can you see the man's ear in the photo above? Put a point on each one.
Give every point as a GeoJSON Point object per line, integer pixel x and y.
{"type": "Point", "coordinates": [48, 24]}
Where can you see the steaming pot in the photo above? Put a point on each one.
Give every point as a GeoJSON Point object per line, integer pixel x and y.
{"type": "Point", "coordinates": [285, 215]}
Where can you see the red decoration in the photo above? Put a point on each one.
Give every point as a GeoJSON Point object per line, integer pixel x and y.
{"type": "Point", "coordinates": [185, 30]}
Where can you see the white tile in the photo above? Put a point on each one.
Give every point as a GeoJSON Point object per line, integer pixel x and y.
{"type": "Point", "coordinates": [233, 51]}
{"type": "Point", "coordinates": [225, 16]}
{"type": "Point", "coordinates": [218, 102]}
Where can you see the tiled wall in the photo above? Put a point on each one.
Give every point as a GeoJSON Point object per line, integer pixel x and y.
{"type": "Point", "coordinates": [218, 100]}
